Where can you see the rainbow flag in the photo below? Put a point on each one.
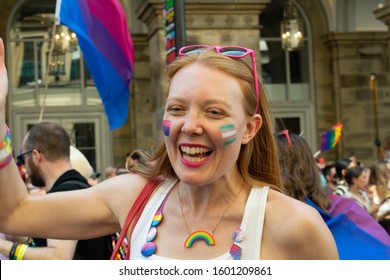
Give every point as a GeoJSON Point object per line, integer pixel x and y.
{"type": "Point", "coordinates": [358, 236]}
{"type": "Point", "coordinates": [330, 138]}
{"type": "Point", "coordinates": [103, 36]}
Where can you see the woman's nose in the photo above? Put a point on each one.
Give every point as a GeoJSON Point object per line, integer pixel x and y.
{"type": "Point", "coordinates": [192, 124]}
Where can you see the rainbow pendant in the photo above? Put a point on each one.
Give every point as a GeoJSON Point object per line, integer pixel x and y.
{"type": "Point", "coordinates": [199, 235]}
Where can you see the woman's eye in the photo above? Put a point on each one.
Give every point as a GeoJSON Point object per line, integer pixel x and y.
{"type": "Point", "coordinates": [216, 113]}
{"type": "Point", "coordinates": [174, 109]}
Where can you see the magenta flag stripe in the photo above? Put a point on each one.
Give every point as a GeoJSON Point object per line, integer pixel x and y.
{"type": "Point", "coordinates": [108, 16]}
{"type": "Point", "coordinates": [105, 43]}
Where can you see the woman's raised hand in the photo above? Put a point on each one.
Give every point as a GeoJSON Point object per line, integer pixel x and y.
{"type": "Point", "coordinates": [3, 77]}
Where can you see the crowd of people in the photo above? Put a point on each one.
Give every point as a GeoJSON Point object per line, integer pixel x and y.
{"type": "Point", "coordinates": [225, 185]}
{"type": "Point", "coordinates": [341, 203]}
{"type": "Point", "coordinates": [368, 186]}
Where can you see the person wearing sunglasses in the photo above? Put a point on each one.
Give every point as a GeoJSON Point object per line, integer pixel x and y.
{"type": "Point", "coordinates": [329, 173]}
{"type": "Point", "coordinates": [48, 158]}
{"type": "Point", "coordinates": [219, 195]}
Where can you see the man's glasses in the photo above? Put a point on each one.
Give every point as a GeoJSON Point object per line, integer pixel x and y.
{"type": "Point", "coordinates": [229, 51]}
{"type": "Point", "coordinates": [20, 158]}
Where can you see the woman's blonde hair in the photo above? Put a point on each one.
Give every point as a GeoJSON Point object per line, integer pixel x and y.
{"type": "Point", "coordinates": [380, 177]}
{"type": "Point", "coordinates": [257, 161]}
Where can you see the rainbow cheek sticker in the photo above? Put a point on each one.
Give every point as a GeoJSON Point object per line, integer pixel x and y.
{"type": "Point", "coordinates": [166, 127]}
{"type": "Point", "coordinates": [199, 235]}
{"type": "Point", "coordinates": [228, 132]}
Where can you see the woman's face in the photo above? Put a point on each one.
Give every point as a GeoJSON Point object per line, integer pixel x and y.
{"type": "Point", "coordinates": [205, 124]}
{"type": "Point", "coordinates": [362, 180]}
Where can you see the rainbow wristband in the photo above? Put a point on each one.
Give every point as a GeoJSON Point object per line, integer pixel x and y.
{"type": "Point", "coordinates": [17, 251]}
{"type": "Point", "coordinates": [6, 161]}
{"type": "Point", "coordinates": [7, 139]}
{"type": "Point", "coordinates": [5, 152]}
{"type": "Point", "coordinates": [22, 251]}
{"type": "Point", "coordinates": [5, 149]}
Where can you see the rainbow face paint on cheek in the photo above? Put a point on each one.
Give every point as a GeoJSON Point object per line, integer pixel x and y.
{"type": "Point", "coordinates": [228, 133]}
{"type": "Point", "coordinates": [166, 127]}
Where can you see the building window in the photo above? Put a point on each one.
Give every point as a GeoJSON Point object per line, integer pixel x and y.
{"type": "Point", "coordinates": [285, 73]}
{"type": "Point", "coordinates": [34, 64]}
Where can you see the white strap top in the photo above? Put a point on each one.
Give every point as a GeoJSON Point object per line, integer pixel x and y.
{"type": "Point", "coordinates": [252, 224]}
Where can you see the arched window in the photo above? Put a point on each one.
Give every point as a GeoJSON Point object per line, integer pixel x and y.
{"type": "Point", "coordinates": [34, 64]}
{"type": "Point", "coordinates": [287, 75]}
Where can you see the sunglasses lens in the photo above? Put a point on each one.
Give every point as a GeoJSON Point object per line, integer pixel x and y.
{"type": "Point", "coordinates": [19, 160]}
{"type": "Point", "coordinates": [192, 49]}
{"type": "Point", "coordinates": [233, 51]}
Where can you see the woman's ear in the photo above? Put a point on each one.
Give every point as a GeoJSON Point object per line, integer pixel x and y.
{"type": "Point", "coordinates": [252, 127]}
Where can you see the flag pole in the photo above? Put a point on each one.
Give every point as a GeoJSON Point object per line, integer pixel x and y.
{"type": "Point", "coordinates": [316, 153]}
{"type": "Point", "coordinates": [374, 94]}
{"type": "Point", "coordinates": [47, 77]}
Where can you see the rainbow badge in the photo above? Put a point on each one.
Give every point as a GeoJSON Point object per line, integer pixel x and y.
{"type": "Point", "coordinates": [228, 133]}
{"type": "Point", "coordinates": [166, 127]}
{"type": "Point", "coordinates": [199, 235]}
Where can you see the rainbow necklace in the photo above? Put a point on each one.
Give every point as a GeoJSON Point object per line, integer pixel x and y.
{"type": "Point", "coordinates": [204, 235]}
{"type": "Point", "coordinates": [149, 248]}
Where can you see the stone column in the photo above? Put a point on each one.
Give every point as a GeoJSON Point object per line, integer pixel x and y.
{"type": "Point", "coordinates": [210, 22]}
{"type": "Point", "coordinates": [383, 14]}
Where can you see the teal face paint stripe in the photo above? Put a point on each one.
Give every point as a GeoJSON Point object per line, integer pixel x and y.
{"type": "Point", "coordinates": [228, 133]}
{"type": "Point", "coordinates": [227, 126]}
{"type": "Point", "coordinates": [229, 142]}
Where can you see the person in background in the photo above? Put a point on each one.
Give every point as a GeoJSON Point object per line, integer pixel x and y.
{"type": "Point", "coordinates": [46, 156]}
{"type": "Point", "coordinates": [80, 162]}
{"type": "Point", "coordinates": [94, 179]}
{"type": "Point", "coordinates": [357, 234]}
{"type": "Point", "coordinates": [321, 165]}
{"type": "Point", "coordinates": [380, 187]}
{"type": "Point", "coordinates": [357, 179]}
{"type": "Point", "coordinates": [341, 168]}
{"type": "Point", "coordinates": [132, 160]}
{"type": "Point", "coordinates": [137, 158]}
{"type": "Point", "coordinates": [218, 194]}
{"type": "Point", "coordinates": [109, 172]}
{"type": "Point", "coordinates": [329, 173]}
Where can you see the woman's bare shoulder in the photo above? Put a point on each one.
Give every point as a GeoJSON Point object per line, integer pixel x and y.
{"type": "Point", "coordinates": [295, 230]}
{"type": "Point", "coordinates": [120, 192]}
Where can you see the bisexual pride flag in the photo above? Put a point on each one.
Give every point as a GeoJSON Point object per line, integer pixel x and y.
{"type": "Point", "coordinates": [104, 38]}
{"type": "Point", "coordinates": [357, 234]}
{"type": "Point", "coordinates": [330, 138]}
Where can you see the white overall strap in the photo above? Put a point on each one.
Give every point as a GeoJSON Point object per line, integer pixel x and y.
{"type": "Point", "coordinates": [253, 222]}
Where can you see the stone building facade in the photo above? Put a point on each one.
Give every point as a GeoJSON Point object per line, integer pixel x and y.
{"type": "Point", "coordinates": [341, 58]}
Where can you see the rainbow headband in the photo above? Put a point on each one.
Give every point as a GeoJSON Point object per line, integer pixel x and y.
{"type": "Point", "coordinates": [199, 235]}
{"type": "Point", "coordinates": [228, 132]}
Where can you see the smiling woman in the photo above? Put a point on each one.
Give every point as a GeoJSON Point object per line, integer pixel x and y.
{"type": "Point", "coordinates": [218, 181]}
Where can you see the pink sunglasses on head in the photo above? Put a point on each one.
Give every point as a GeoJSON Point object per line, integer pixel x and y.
{"type": "Point", "coordinates": [229, 51]}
